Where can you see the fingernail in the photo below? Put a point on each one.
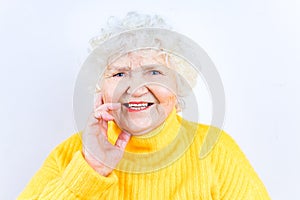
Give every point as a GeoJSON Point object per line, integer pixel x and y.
{"type": "Point", "coordinates": [98, 114]}
{"type": "Point", "coordinates": [123, 144]}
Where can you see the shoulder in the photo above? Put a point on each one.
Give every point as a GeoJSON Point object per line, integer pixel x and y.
{"type": "Point", "coordinates": [211, 140]}
{"type": "Point", "coordinates": [71, 143]}
{"type": "Point", "coordinates": [229, 165]}
{"type": "Point", "coordinates": [63, 153]}
{"type": "Point", "coordinates": [221, 150]}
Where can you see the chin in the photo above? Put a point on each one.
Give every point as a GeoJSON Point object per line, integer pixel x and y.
{"type": "Point", "coordinates": [140, 123]}
{"type": "Point", "coordinates": [139, 127]}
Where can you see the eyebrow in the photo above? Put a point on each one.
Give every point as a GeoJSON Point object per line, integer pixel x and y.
{"type": "Point", "coordinates": [153, 66]}
{"type": "Point", "coordinates": [113, 68]}
{"type": "Point", "coordinates": [118, 68]}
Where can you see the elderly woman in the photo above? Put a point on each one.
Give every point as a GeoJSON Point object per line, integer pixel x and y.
{"type": "Point", "coordinates": [134, 144]}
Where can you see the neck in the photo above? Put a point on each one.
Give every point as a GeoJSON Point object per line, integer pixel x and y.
{"type": "Point", "coordinates": [151, 141]}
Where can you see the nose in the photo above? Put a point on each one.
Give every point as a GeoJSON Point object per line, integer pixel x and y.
{"type": "Point", "coordinates": [137, 88]}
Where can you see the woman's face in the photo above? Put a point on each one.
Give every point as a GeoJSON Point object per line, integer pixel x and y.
{"type": "Point", "coordinates": [145, 86]}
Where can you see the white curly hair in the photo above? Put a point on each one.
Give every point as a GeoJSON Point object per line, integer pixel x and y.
{"type": "Point", "coordinates": [131, 21]}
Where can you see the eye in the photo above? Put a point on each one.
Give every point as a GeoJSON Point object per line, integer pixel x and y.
{"type": "Point", "coordinates": [120, 74]}
{"type": "Point", "coordinates": [155, 72]}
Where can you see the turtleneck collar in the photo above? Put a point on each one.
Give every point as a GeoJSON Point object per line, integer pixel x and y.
{"type": "Point", "coordinates": [153, 141]}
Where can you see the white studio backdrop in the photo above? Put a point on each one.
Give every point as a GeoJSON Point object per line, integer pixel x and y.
{"type": "Point", "coordinates": [254, 45]}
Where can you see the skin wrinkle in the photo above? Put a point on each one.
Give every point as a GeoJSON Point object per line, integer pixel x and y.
{"type": "Point", "coordinates": [183, 70]}
{"type": "Point", "coordinates": [138, 78]}
{"type": "Point", "coordinates": [162, 58]}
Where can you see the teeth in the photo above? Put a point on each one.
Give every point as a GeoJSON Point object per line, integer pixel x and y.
{"type": "Point", "coordinates": [137, 108]}
{"type": "Point", "coordinates": [138, 105]}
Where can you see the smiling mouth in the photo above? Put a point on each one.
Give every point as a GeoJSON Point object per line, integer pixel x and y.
{"type": "Point", "coordinates": [137, 106]}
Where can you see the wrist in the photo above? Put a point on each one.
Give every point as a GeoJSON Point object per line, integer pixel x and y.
{"type": "Point", "coordinates": [97, 165]}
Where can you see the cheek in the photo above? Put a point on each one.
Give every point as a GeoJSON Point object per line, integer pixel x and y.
{"type": "Point", "coordinates": [171, 101]}
{"type": "Point", "coordinates": [168, 103]}
{"type": "Point", "coordinates": [108, 91]}
{"type": "Point", "coordinates": [164, 96]}
{"type": "Point", "coordinates": [106, 96]}
{"type": "Point", "coordinates": [112, 91]}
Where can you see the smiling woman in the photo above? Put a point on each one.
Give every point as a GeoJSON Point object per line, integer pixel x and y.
{"type": "Point", "coordinates": [134, 144]}
{"type": "Point", "coordinates": [145, 88]}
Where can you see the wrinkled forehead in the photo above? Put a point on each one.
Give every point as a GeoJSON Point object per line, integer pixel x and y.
{"type": "Point", "coordinates": [139, 58]}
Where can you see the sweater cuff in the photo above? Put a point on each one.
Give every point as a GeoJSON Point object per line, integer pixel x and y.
{"type": "Point", "coordinates": [83, 180]}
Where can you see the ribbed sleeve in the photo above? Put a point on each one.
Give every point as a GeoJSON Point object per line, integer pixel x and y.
{"type": "Point", "coordinates": [235, 175]}
{"type": "Point", "coordinates": [66, 175]}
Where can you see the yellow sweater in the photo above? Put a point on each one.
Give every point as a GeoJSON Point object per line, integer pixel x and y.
{"type": "Point", "coordinates": [168, 173]}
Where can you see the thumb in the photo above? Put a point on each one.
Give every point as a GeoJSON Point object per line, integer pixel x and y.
{"type": "Point", "coordinates": [123, 140]}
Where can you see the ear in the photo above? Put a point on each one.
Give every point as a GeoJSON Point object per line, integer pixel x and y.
{"type": "Point", "coordinates": [179, 104]}
{"type": "Point", "coordinates": [178, 108]}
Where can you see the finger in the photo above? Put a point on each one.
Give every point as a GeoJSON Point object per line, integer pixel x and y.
{"type": "Point", "coordinates": [123, 140]}
{"type": "Point", "coordinates": [103, 115]}
{"type": "Point", "coordinates": [99, 116]}
{"type": "Point", "coordinates": [109, 106]}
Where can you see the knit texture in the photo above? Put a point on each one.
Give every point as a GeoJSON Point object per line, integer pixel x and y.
{"type": "Point", "coordinates": [225, 173]}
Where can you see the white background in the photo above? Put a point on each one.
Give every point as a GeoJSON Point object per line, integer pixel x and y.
{"type": "Point", "coordinates": [255, 46]}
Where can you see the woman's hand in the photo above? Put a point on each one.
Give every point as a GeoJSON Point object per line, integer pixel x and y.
{"type": "Point", "coordinates": [99, 153]}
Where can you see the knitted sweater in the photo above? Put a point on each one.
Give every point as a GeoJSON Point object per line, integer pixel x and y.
{"type": "Point", "coordinates": [225, 173]}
